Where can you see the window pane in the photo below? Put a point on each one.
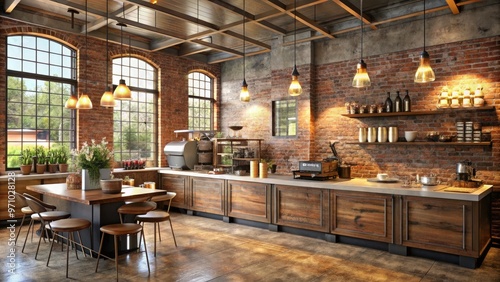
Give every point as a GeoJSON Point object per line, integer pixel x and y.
{"type": "Point", "coordinates": [284, 118]}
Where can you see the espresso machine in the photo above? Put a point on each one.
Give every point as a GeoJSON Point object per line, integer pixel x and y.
{"type": "Point", "coordinates": [465, 171]}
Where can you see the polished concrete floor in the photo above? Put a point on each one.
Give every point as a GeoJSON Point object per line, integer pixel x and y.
{"type": "Point", "coordinates": [211, 250]}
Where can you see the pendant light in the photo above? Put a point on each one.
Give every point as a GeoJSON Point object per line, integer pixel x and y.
{"type": "Point", "coordinates": [107, 99]}
{"type": "Point", "coordinates": [244, 94]}
{"type": "Point", "coordinates": [295, 89]}
{"type": "Point", "coordinates": [72, 100]}
{"type": "Point", "coordinates": [122, 92]}
{"type": "Point", "coordinates": [424, 72]}
{"type": "Point", "coordinates": [84, 102]}
{"type": "Point", "coordinates": [361, 79]}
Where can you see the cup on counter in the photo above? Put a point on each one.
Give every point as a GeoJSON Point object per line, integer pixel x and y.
{"type": "Point", "coordinates": [382, 176]}
{"type": "Point", "coordinates": [393, 134]}
{"type": "Point", "coordinates": [362, 134]}
{"type": "Point", "coordinates": [382, 134]}
{"type": "Point", "coordinates": [372, 134]}
{"type": "Point", "coordinates": [410, 136]}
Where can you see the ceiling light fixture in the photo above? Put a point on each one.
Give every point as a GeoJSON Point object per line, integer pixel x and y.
{"type": "Point", "coordinates": [122, 92]}
{"type": "Point", "coordinates": [244, 94]}
{"type": "Point", "coordinates": [84, 102]}
{"type": "Point", "coordinates": [295, 89]}
{"type": "Point", "coordinates": [424, 72]}
{"type": "Point", "coordinates": [107, 99]}
{"type": "Point", "coordinates": [361, 79]}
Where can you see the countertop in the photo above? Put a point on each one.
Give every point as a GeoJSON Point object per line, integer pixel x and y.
{"type": "Point", "coordinates": [354, 184]}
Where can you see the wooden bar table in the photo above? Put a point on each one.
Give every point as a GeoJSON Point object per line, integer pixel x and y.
{"type": "Point", "coordinates": [99, 208]}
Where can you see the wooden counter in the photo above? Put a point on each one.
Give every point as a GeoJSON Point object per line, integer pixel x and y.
{"type": "Point", "coordinates": [401, 219]}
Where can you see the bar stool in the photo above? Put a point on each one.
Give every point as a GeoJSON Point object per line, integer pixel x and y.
{"type": "Point", "coordinates": [26, 210]}
{"type": "Point", "coordinates": [69, 225]}
{"type": "Point", "coordinates": [157, 216]}
{"type": "Point", "coordinates": [41, 214]}
{"type": "Point", "coordinates": [119, 230]}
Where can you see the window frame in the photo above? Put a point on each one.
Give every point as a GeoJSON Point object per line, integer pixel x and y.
{"type": "Point", "coordinates": [200, 98]}
{"type": "Point", "coordinates": [31, 58]}
{"type": "Point", "coordinates": [276, 117]}
{"type": "Point", "coordinates": [146, 96]}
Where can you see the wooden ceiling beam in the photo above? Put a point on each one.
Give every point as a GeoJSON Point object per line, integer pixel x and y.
{"type": "Point", "coordinates": [356, 12]}
{"type": "Point", "coordinates": [453, 6]}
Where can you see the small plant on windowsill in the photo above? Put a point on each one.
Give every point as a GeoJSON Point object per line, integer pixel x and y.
{"type": "Point", "coordinates": [27, 160]}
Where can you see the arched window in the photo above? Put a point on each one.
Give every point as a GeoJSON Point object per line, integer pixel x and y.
{"type": "Point", "coordinates": [201, 101]}
{"type": "Point", "coordinates": [41, 75]}
{"type": "Point", "coordinates": [135, 121]}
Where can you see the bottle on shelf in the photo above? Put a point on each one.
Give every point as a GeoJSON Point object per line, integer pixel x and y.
{"type": "Point", "coordinates": [406, 103]}
{"type": "Point", "coordinates": [398, 103]}
{"type": "Point", "coordinates": [388, 103]}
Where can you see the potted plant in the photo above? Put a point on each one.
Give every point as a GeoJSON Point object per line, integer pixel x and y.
{"type": "Point", "coordinates": [41, 155]}
{"type": "Point", "coordinates": [52, 160]}
{"type": "Point", "coordinates": [26, 161]}
{"type": "Point", "coordinates": [95, 160]}
{"type": "Point", "coordinates": [62, 159]}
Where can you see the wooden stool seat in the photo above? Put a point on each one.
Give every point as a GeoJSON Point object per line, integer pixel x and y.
{"type": "Point", "coordinates": [69, 225]}
{"type": "Point", "coordinates": [136, 208]}
{"type": "Point", "coordinates": [27, 210]}
{"type": "Point", "coordinates": [118, 230]}
{"type": "Point", "coordinates": [153, 216]}
{"type": "Point", "coordinates": [51, 215]}
{"type": "Point", "coordinates": [121, 229]}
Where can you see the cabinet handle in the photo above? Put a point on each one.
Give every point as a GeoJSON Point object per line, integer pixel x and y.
{"type": "Point", "coordinates": [392, 219]}
{"type": "Point", "coordinates": [385, 218]}
{"type": "Point", "coordinates": [407, 220]}
{"type": "Point", "coordinates": [463, 227]}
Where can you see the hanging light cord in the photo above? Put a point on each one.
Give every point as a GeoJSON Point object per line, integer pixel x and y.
{"type": "Point", "coordinates": [424, 25]}
{"type": "Point", "coordinates": [107, 38]}
{"type": "Point", "coordinates": [362, 25]}
{"type": "Point", "coordinates": [244, 39]}
{"type": "Point", "coordinates": [295, 33]}
{"type": "Point", "coordinates": [86, 46]}
{"type": "Point", "coordinates": [121, 42]}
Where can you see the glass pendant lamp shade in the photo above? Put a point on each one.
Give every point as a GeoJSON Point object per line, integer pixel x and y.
{"type": "Point", "coordinates": [122, 92]}
{"type": "Point", "coordinates": [71, 102]}
{"type": "Point", "coordinates": [424, 72]}
{"type": "Point", "coordinates": [361, 79]}
{"type": "Point", "coordinates": [295, 89]}
{"type": "Point", "coordinates": [84, 103]}
{"type": "Point", "coordinates": [244, 94]}
{"type": "Point", "coordinates": [107, 99]}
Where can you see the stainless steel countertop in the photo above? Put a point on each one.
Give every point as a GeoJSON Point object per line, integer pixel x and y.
{"type": "Point", "coordinates": [355, 184]}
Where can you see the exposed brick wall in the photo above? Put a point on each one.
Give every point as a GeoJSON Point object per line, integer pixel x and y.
{"type": "Point", "coordinates": [97, 123]}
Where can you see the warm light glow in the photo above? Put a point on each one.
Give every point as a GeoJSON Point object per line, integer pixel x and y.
{"type": "Point", "coordinates": [122, 92]}
{"type": "Point", "coordinates": [153, 1]}
{"type": "Point", "coordinates": [361, 79]}
{"type": "Point", "coordinates": [71, 102]}
{"type": "Point", "coordinates": [107, 99]}
{"type": "Point", "coordinates": [84, 103]}
{"type": "Point", "coordinates": [244, 94]}
{"type": "Point", "coordinates": [295, 89]}
{"type": "Point", "coordinates": [424, 72]}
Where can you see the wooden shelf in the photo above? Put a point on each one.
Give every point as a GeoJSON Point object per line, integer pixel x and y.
{"type": "Point", "coordinates": [420, 113]}
{"type": "Point", "coordinates": [479, 144]}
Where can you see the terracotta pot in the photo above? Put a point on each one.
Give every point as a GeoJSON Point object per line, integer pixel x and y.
{"type": "Point", "coordinates": [111, 186]}
{"type": "Point", "coordinates": [25, 169]}
{"type": "Point", "coordinates": [63, 167]}
{"type": "Point", "coordinates": [40, 168]}
{"type": "Point", "coordinates": [74, 181]}
{"type": "Point", "coordinates": [53, 168]}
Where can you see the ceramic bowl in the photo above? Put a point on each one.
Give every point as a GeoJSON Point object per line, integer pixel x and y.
{"type": "Point", "coordinates": [410, 136]}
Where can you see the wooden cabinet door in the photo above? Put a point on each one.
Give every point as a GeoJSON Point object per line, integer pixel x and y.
{"type": "Point", "coordinates": [207, 195]}
{"type": "Point", "coordinates": [306, 208]}
{"type": "Point", "coordinates": [363, 215]}
{"type": "Point", "coordinates": [179, 185]}
{"type": "Point", "coordinates": [249, 200]}
{"type": "Point", "coordinates": [437, 224]}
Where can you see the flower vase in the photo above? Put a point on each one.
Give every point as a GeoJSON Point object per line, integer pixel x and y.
{"type": "Point", "coordinates": [89, 183]}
